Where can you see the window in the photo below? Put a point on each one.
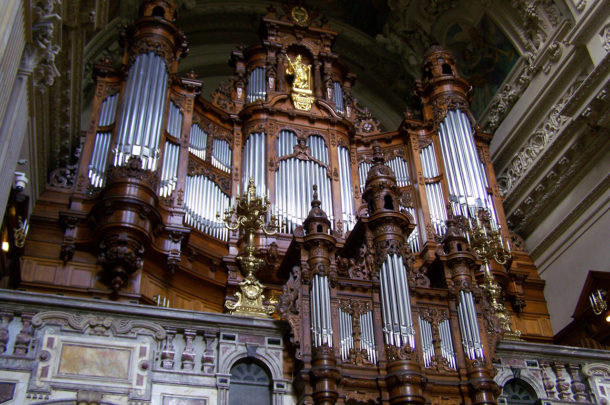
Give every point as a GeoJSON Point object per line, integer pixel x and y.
{"type": "Point", "coordinates": [518, 392]}
{"type": "Point", "coordinates": [249, 380]}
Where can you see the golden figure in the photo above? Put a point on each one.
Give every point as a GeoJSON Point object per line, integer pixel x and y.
{"type": "Point", "coordinates": [301, 85]}
{"type": "Point", "coordinates": [301, 72]}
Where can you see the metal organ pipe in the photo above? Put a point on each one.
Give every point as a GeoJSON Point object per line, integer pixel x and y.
{"type": "Point", "coordinates": [221, 155]}
{"type": "Point", "coordinates": [253, 162]}
{"type": "Point", "coordinates": [471, 338]}
{"type": "Point", "coordinates": [320, 308]}
{"type": "Point", "coordinates": [338, 97]}
{"type": "Point", "coordinates": [174, 120]}
{"type": "Point", "coordinates": [347, 195]}
{"type": "Point", "coordinates": [367, 336]}
{"type": "Point", "coordinates": [101, 144]}
{"type": "Point", "coordinates": [396, 304]}
{"type": "Point", "coordinates": [198, 141]}
{"type": "Point", "coordinates": [142, 111]}
{"type": "Point", "coordinates": [444, 330]}
{"type": "Point", "coordinates": [400, 168]}
{"type": "Point", "coordinates": [294, 179]}
{"type": "Point", "coordinates": [425, 331]}
{"type": "Point", "coordinates": [434, 192]}
{"type": "Point", "coordinates": [257, 85]}
{"type": "Point", "coordinates": [468, 182]}
{"type": "Point", "coordinates": [169, 171]}
{"type": "Point", "coordinates": [203, 200]}
{"type": "Point", "coordinates": [345, 333]}
{"type": "Point", "coordinates": [363, 172]}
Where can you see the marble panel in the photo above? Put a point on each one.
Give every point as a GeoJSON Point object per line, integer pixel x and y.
{"type": "Point", "coordinates": [94, 361]}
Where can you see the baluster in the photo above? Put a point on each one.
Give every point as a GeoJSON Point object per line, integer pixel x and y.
{"type": "Point", "coordinates": [188, 354]}
{"type": "Point", "coordinates": [24, 337]}
{"type": "Point", "coordinates": [168, 353]}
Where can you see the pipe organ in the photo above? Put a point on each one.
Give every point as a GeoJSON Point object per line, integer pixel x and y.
{"type": "Point", "coordinates": [371, 269]}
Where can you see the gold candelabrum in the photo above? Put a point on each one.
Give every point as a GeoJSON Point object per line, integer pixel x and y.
{"type": "Point", "coordinates": [250, 214]}
{"type": "Point", "coordinates": [486, 241]}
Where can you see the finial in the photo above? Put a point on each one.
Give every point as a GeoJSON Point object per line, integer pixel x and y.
{"type": "Point", "coordinates": [315, 202]}
{"type": "Point", "coordinates": [377, 154]}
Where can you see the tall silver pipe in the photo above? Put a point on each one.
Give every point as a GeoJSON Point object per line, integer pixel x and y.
{"type": "Point", "coordinates": [338, 97]}
{"type": "Point", "coordinates": [463, 124]}
{"type": "Point", "coordinates": [386, 311]}
{"type": "Point", "coordinates": [447, 343]}
{"type": "Point", "coordinates": [404, 286]}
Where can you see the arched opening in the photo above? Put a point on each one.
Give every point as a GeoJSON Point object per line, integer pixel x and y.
{"type": "Point", "coordinates": [249, 379]}
{"type": "Point", "coordinates": [517, 392]}
{"type": "Point", "coordinates": [388, 204]}
{"type": "Point", "coordinates": [320, 228]}
{"type": "Point", "coordinates": [158, 11]}
{"type": "Point", "coordinates": [447, 69]}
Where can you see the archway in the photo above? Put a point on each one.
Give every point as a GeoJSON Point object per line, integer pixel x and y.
{"type": "Point", "coordinates": [518, 392]}
{"type": "Point", "coordinates": [249, 379]}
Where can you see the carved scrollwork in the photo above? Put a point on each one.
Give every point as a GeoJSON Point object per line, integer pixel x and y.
{"type": "Point", "coordinates": [133, 170]}
{"type": "Point", "coordinates": [289, 303]}
{"type": "Point", "coordinates": [405, 352]}
{"type": "Point", "coordinates": [98, 325]}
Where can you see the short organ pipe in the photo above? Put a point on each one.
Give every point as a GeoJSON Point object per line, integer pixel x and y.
{"type": "Point", "coordinates": [203, 200]}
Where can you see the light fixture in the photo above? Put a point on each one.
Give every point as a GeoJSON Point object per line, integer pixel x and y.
{"type": "Point", "coordinates": [598, 302]}
{"type": "Point", "coordinates": [5, 246]}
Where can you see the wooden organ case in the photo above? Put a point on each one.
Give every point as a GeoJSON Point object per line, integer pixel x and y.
{"type": "Point", "coordinates": [372, 269]}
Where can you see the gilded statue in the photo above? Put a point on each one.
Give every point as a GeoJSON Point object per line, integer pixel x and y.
{"type": "Point", "coordinates": [301, 84]}
{"type": "Point", "coordinates": [301, 73]}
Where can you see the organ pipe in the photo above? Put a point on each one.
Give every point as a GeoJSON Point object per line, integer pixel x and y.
{"type": "Point", "coordinates": [169, 170]}
{"type": "Point", "coordinates": [347, 196]}
{"type": "Point", "coordinates": [413, 239]}
{"type": "Point", "coordinates": [174, 120]}
{"type": "Point", "coordinates": [363, 171]}
{"type": "Point", "coordinates": [400, 167]}
{"type": "Point", "coordinates": [447, 351]}
{"type": "Point", "coordinates": [221, 155]}
{"type": "Point", "coordinates": [101, 145]}
{"type": "Point", "coordinates": [198, 141]}
{"type": "Point", "coordinates": [464, 171]}
{"type": "Point", "coordinates": [469, 327]}
{"type": "Point", "coordinates": [142, 111]}
{"type": "Point", "coordinates": [396, 305]}
{"type": "Point", "coordinates": [338, 97]}
{"type": "Point", "coordinates": [321, 326]}
{"type": "Point", "coordinates": [293, 191]}
{"type": "Point", "coordinates": [257, 85]}
{"type": "Point", "coordinates": [434, 192]}
{"type": "Point", "coordinates": [254, 157]}
{"type": "Point", "coordinates": [425, 331]}
{"type": "Point", "coordinates": [203, 200]}
{"type": "Point", "coordinates": [294, 179]}
{"type": "Point", "coordinates": [367, 336]}
{"type": "Point", "coordinates": [346, 338]}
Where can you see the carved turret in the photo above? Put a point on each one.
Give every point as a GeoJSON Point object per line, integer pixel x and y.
{"type": "Point", "coordinates": [442, 88]}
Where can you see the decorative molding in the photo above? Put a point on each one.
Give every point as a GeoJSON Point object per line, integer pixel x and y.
{"type": "Point", "coordinates": [99, 325]}
{"type": "Point", "coordinates": [536, 144]}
